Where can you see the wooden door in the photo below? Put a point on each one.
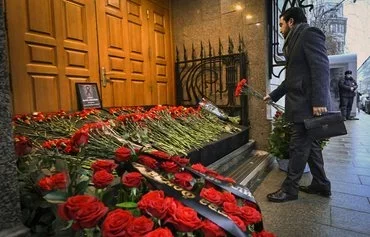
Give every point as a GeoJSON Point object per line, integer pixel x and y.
{"type": "Point", "coordinates": [123, 50]}
{"type": "Point", "coordinates": [135, 52]}
{"type": "Point", "coordinates": [52, 45]}
{"type": "Point", "coordinates": [160, 54]}
{"type": "Point", "coordinates": [123, 45]}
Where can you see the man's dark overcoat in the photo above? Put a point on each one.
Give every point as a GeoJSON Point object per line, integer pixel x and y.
{"type": "Point", "coordinates": [306, 84]}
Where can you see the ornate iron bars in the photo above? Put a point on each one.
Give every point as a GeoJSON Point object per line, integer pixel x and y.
{"type": "Point", "coordinates": [214, 76]}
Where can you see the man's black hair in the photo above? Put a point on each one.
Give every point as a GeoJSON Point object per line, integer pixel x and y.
{"type": "Point", "coordinates": [296, 13]}
{"type": "Point", "coordinates": [348, 72]}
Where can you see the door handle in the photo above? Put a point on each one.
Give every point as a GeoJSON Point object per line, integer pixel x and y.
{"type": "Point", "coordinates": [103, 76]}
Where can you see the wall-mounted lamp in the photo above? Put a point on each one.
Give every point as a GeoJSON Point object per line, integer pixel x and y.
{"type": "Point", "coordinates": [238, 7]}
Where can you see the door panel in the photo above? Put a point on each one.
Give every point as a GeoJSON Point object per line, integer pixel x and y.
{"type": "Point", "coordinates": [51, 45]}
{"type": "Point", "coordinates": [161, 55]}
{"type": "Point", "coordinates": [122, 50]}
{"type": "Point", "coordinates": [138, 48]}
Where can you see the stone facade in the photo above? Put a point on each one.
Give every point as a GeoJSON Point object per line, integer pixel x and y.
{"type": "Point", "coordinates": [10, 214]}
{"type": "Point", "coordinates": [202, 20]}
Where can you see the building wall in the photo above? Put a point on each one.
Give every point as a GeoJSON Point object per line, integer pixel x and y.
{"type": "Point", "coordinates": [202, 20]}
{"type": "Point", "coordinates": [338, 65]}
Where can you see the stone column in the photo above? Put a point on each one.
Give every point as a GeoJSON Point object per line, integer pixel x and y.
{"type": "Point", "coordinates": [10, 213]}
{"type": "Point", "coordinates": [213, 20]}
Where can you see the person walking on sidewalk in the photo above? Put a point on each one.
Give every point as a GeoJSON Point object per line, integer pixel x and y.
{"type": "Point", "coordinates": [306, 90]}
{"type": "Point", "coordinates": [347, 92]}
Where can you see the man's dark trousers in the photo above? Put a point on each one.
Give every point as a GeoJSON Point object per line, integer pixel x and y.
{"type": "Point", "coordinates": [346, 106]}
{"type": "Point", "coordinates": [304, 149]}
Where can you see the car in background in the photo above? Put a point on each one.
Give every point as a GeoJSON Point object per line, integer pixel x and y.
{"type": "Point", "coordinates": [365, 103]}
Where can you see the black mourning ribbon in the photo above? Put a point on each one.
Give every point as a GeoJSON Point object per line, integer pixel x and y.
{"type": "Point", "coordinates": [201, 206]}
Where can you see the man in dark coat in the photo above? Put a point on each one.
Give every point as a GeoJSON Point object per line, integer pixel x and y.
{"type": "Point", "coordinates": [306, 90]}
{"type": "Point", "coordinates": [347, 91]}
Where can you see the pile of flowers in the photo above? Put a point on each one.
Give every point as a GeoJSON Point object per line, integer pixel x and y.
{"type": "Point", "coordinates": [280, 136]}
{"type": "Point", "coordinates": [112, 177]}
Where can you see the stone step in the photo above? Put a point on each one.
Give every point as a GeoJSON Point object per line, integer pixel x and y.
{"type": "Point", "coordinates": [238, 155]}
{"type": "Point", "coordinates": [245, 165]}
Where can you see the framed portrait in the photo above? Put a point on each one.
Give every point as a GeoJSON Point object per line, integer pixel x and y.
{"type": "Point", "coordinates": [88, 96]}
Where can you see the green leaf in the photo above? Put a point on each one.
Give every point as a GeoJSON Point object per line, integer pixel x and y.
{"type": "Point", "coordinates": [56, 197]}
{"type": "Point", "coordinates": [60, 165]}
{"type": "Point", "coordinates": [81, 187]}
{"type": "Point", "coordinates": [68, 226]}
{"type": "Point", "coordinates": [127, 205]}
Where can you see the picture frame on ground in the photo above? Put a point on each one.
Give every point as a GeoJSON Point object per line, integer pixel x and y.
{"type": "Point", "coordinates": [88, 96]}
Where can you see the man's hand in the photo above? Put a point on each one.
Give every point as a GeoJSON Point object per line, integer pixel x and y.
{"type": "Point", "coordinates": [267, 98]}
{"type": "Point", "coordinates": [317, 111]}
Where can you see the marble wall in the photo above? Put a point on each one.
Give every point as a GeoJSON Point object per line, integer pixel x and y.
{"type": "Point", "coordinates": [202, 20]}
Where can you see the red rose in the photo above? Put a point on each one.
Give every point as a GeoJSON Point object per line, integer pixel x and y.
{"type": "Point", "coordinates": [102, 179]}
{"type": "Point", "coordinates": [160, 155]}
{"type": "Point", "coordinates": [278, 114]}
{"type": "Point", "coordinates": [263, 233]}
{"type": "Point", "coordinates": [80, 138]}
{"type": "Point", "coordinates": [107, 165]}
{"type": "Point", "coordinates": [46, 184]}
{"type": "Point", "coordinates": [148, 161]}
{"type": "Point", "coordinates": [170, 167]}
{"type": "Point", "coordinates": [132, 180]}
{"type": "Point", "coordinates": [159, 232]}
{"type": "Point", "coordinates": [229, 197]}
{"type": "Point", "coordinates": [184, 219]}
{"type": "Point", "coordinates": [212, 173]}
{"type": "Point", "coordinates": [249, 204]}
{"type": "Point", "coordinates": [239, 88]}
{"type": "Point", "coordinates": [59, 180]}
{"type": "Point", "coordinates": [185, 180]}
{"type": "Point", "coordinates": [116, 223]}
{"type": "Point", "coordinates": [154, 203]}
{"type": "Point", "coordinates": [250, 215]}
{"type": "Point", "coordinates": [22, 145]}
{"type": "Point", "coordinates": [239, 222]}
{"type": "Point", "coordinates": [200, 168]}
{"type": "Point", "coordinates": [68, 209]}
{"type": "Point", "coordinates": [210, 229]}
{"type": "Point", "coordinates": [180, 160]}
{"type": "Point", "coordinates": [88, 216]}
{"type": "Point", "coordinates": [212, 195]}
{"type": "Point", "coordinates": [140, 226]}
{"type": "Point", "coordinates": [122, 154]}
{"type": "Point", "coordinates": [231, 208]}
{"type": "Point", "coordinates": [229, 180]}
{"type": "Point", "coordinates": [208, 184]}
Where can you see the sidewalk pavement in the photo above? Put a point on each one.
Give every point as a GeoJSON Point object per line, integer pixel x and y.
{"type": "Point", "coordinates": [347, 212]}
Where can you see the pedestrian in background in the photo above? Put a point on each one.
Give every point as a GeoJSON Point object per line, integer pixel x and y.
{"type": "Point", "coordinates": [306, 90]}
{"type": "Point", "coordinates": [347, 92]}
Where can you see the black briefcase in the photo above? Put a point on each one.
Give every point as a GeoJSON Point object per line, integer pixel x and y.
{"type": "Point", "coordinates": [327, 125]}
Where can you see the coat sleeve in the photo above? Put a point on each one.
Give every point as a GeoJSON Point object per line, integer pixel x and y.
{"type": "Point", "coordinates": [318, 63]}
{"type": "Point", "coordinates": [343, 86]}
{"type": "Point", "coordinates": [279, 92]}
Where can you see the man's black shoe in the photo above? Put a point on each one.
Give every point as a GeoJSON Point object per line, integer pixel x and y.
{"type": "Point", "coordinates": [281, 196]}
{"type": "Point", "coordinates": [310, 190]}
{"type": "Point", "coordinates": [352, 118]}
